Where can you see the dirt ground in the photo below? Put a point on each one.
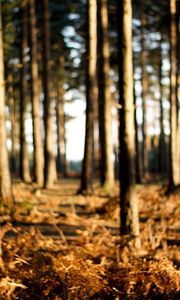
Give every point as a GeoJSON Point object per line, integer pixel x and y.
{"type": "Point", "coordinates": [60, 245]}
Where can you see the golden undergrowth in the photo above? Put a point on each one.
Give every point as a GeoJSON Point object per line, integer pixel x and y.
{"type": "Point", "coordinates": [60, 245]}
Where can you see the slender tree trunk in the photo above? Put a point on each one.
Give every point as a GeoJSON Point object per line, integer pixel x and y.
{"type": "Point", "coordinates": [5, 180]}
{"type": "Point", "coordinates": [24, 160]}
{"type": "Point", "coordinates": [105, 100]}
{"type": "Point", "coordinates": [13, 120]}
{"type": "Point", "coordinates": [178, 59]}
{"type": "Point", "coordinates": [178, 83]}
{"type": "Point", "coordinates": [86, 178]}
{"type": "Point", "coordinates": [36, 118]}
{"type": "Point", "coordinates": [144, 83]}
{"type": "Point", "coordinates": [49, 150]}
{"type": "Point", "coordinates": [129, 222]}
{"type": "Point", "coordinates": [162, 158]}
{"type": "Point", "coordinates": [137, 160]}
{"type": "Point", "coordinates": [174, 167]}
{"type": "Point", "coordinates": [61, 136]}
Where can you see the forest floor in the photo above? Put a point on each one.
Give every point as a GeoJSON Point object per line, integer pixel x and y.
{"type": "Point", "coordinates": [60, 245]}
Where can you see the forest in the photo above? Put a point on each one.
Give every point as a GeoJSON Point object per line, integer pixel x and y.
{"type": "Point", "coordinates": [89, 149]}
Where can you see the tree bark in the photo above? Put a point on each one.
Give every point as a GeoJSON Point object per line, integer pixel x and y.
{"type": "Point", "coordinates": [5, 180]}
{"type": "Point", "coordinates": [24, 160]}
{"type": "Point", "coordinates": [162, 145]}
{"type": "Point", "coordinates": [61, 136]}
{"type": "Point", "coordinates": [35, 94]}
{"type": "Point", "coordinates": [129, 222]}
{"type": "Point", "coordinates": [174, 159]}
{"type": "Point", "coordinates": [91, 96]}
{"type": "Point", "coordinates": [105, 101]}
{"type": "Point", "coordinates": [178, 82]}
{"type": "Point", "coordinates": [13, 120]}
{"type": "Point", "coordinates": [137, 160]}
{"type": "Point", "coordinates": [144, 83]}
{"type": "Point", "coordinates": [49, 150]}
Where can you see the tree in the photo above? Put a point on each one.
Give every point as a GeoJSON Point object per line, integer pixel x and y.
{"type": "Point", "coordinates": [137, 159]}
{"type": "Point", "coordinates": [5, 180]}
{"type": "Point", "coordinates": [13, 120]}
{"type": "Point", "coordinates": [162, 158]}
{"type": "Point", "coordinates": [49, 150]}
{"type": "Point", "coordinates": [24, 160]}
{"type": "Point", "coordinates": [91, 96]}
{"type": "Point", "coordinates": [129, 222]}
{"type": "Point", "coordinates": [174, 174]}
{"type": "Point", "coordinates": [105, 100]}
{"type": "Point", "coordinates": [144, 81]}
{"type": "Point", "coordinates": [60, 115]}
{"type": "Point", "coordinates": [178, 82]}
{"type": "Point", "coordinates": [35, 94]}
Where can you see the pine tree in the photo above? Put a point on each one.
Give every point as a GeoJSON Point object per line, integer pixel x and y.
{"type": "Point", "coordinates": [105, 100]}
{"type": "Point", "coordinates": [129, 222]}
{"type": "Point", "coordinates": [24, 159]}
{"type": "Point", "coordinates": [91, 95]}
{"type": "Point", "coordinates": [49, 150]}
{"type": "Point", "coordinates": [5, 180]}
{"type": "Point", "coordinates": [35, 95]}
{"type": "Point", "coordinates": [174, 176]}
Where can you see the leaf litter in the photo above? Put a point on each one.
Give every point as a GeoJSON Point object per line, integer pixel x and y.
{"type": "Point", "coordinates": [63, 246]}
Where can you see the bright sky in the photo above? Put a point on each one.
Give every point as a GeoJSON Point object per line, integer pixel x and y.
{"type": "Point", "coordinates": [75, 130]}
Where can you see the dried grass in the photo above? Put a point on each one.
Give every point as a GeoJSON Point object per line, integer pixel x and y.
{"type": "Point", "coordinates": [96, 264]}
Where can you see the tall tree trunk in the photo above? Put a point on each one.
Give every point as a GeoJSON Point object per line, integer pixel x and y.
{"type": "Point", "coordinates": [137, 160]}
{"type": "Point", "coordinates": [129, 222]}
{"type": "Point", "coordinates": [36, 118]}
{"type": "Point", "coordinates": [178, 83]}
{"type": "Point", "coordinates": [174, 160]}
{"type": "Point", "coordinates": [5, 180]}
{"type": "Point", "coordinates": [178, 58]}
{"type": "Point", "coordinates": [13, 161]}
{"type": "Point", "coordinates": [24, 160]}
{"type": "Point", "coordinates": [105, 100]}
{"type": "Point", "coordinates": [144, 83]}
{"type": "Point", "coordinates": [162, 157]}
{"type": "Point", "coordinates": [61, 137]}
{"type": "Point", "coordinates": [49, 150]}
{"type": "Point", "coordinates": [86, 177]}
